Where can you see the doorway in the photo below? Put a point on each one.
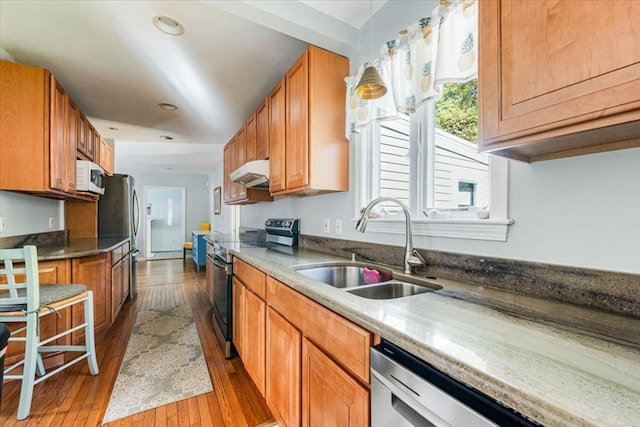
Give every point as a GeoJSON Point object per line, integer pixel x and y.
{"type": "Point", "coordinates": [164, 209]}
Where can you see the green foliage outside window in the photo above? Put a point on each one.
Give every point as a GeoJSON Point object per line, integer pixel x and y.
{"type": "Point", "coordinates": [457, 110]}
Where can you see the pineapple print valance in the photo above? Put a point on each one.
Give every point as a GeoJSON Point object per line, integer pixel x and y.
{"type": "Point", "coordinates": [414, 66]}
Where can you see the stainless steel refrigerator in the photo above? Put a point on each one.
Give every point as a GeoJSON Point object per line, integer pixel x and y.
{"type": "Point", "coordinates": [119, 216]}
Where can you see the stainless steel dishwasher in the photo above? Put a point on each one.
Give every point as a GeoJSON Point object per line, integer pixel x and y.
{"type": "Point", "coordinates": [406, 391]}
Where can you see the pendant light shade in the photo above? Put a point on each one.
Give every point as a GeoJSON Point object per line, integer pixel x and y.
{"type": "Point", "coordinates": [370, 85]}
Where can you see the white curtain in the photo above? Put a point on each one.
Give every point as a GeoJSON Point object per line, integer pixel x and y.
{"type": "Point", "coordinates": [414, 66]}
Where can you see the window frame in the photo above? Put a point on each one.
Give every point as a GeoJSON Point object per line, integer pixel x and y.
{"type": "Point", "coordinates": [452, 224]}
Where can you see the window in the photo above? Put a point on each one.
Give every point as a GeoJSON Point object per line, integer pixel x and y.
{"type": "Point", "coordinates": [440, 176]}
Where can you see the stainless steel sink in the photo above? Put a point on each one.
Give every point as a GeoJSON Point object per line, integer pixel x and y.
{"type": "Point", "coordinates": [346, 275]}
{"type": "Point", "coordinates": [367, 280]}
{"type": "Point", "coordinates": [390, 290]}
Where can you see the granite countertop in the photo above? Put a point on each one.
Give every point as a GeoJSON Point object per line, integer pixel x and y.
{"type": "Point", "coordinates": [76, 248]}
{"type": "Point", "coordinates": [556, 363]}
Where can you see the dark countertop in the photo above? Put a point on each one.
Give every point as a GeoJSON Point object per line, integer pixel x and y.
{"type": "Point", "coordinates": [553, 362]}
{"type": "Point", "coordinates": [76, 248]}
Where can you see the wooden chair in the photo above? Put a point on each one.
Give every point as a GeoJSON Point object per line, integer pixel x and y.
{"type": "Point", "coordinates": [24, 300]}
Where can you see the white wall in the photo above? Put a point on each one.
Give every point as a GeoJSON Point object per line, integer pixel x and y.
{"type": "Point", "coordinates": [582, 211]}
{"type": "Point", "coordinates": [24, 214]}
{"type": "Point", "coordinates": [222, 222]}
{"type": "Point", "coordinates": [196, 196]}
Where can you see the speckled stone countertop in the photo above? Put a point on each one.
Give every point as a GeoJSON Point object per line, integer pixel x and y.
{"type": "Point", "coordinates": [539, 357]}
{"type": "Point", "coordinates": [76, 248]}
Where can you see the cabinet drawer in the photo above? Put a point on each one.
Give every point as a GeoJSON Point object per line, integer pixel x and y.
{"type": "Point", "coordinates": [344, 341]}
{"type": "Point", "coordinates": [252, 278]}
{"type": "Point", "coordinates": [116, 255]}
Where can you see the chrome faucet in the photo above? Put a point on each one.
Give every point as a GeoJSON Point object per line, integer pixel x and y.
{"type": "Point", "coordinates": [412, 258]}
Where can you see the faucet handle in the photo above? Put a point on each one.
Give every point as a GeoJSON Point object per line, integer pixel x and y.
{"type": "Point", "coordinates": [416, 260]}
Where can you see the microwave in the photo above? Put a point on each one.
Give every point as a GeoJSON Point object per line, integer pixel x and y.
{"type": "Point", "coordinates": [89, 177]}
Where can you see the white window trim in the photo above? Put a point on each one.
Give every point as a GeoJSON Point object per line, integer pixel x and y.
{"type": "Point", "coordinates": [494, 228]}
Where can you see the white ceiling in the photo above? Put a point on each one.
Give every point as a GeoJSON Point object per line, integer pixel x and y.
{"type": "Point", "coordinates": [117, 66]}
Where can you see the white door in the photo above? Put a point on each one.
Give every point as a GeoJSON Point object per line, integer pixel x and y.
{"type": "Point", "coordinates": [164, 210]}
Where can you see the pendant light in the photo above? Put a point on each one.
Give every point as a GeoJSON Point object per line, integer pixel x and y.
{"type": "Point", "coordinates": [370, 85]}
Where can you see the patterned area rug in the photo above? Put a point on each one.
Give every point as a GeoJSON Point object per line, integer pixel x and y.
{"type": "Point", "coordinates": [163, 363]}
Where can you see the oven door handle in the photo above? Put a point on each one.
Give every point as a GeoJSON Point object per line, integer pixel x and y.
{"type": "Point", "coordinates": [223, 265]}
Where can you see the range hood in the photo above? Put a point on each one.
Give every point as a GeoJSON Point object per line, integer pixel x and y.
{"type": "Point", "coordinates": [253, 174]}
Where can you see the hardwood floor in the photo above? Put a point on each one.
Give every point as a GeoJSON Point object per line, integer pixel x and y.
{"type": "Point", "coordinates": [75, 398]}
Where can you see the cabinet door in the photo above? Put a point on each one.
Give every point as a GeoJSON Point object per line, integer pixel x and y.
{"type": "Point", "coordinates": [254, 345]}
{"type": "Point", "coordinates": [233, 165]}
{"type": "Point", "coordinates": [262, 131]}
{"type": "Point", "coordinates": [241, 150]}
{"type": "Point", "coordinates": [57, 137]}
{"type": "Point", "coordinates": [82, 135]}
{"type": "Point", "coordinates": [297, 124]}
{"type": "Point", "coordinates": [238, 326]}
{"type": "Point", "coordinates": [73, 115]}
{"type": "Point", "coordinates": [283, 369]}
{"type": "Point", "coordinates": [250, 130]}
{"type": "Point", "coordinates": [546, 73]}
{"type": "Point", "coordinates": [330, 397]}
{"type": "Point", "coordinates": [277, 149]}
{"type": "Point", "coordinates": [126, 277]}
{"type": "Point", "coordinates": [49, 272]}
{"type": "Point", "coordinates": [226, 183]}
{"type": "Point", "coordinates": [116, 289]}
{"type": "Point", "coordinates": [95, 273]}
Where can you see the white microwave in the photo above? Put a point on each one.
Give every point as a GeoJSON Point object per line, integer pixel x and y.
{"type": "Point", "coordinates": [89, 177]}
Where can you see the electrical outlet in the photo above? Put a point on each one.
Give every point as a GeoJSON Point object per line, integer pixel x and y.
{"type": "Point", "coordinates": [50, 222]}
{"type": "Point", "coordinates": [338, 226]}
{"type": "Point", "coordinates": [326, 224]}
{"type": "Point", "coordinates": [2, 224]}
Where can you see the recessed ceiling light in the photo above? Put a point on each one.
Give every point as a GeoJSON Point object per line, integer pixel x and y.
{"type": "Point", "coordinates": [166, 137]}
{"type": "Point", "coordinates": [113, 128]}
{"type": "Point", "coordinates": [168, 25]}
{"type": "Point", "coordinates": [167, 106]}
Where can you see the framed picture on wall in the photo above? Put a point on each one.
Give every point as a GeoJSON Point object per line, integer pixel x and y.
{"type": "Point", "coordinates": [216, 200]}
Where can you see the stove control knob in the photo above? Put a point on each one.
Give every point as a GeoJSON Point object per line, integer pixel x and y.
{"type": "Point", "coordinates": [268, 223]}
{"type": "Point", "coordinates": [287, 223]}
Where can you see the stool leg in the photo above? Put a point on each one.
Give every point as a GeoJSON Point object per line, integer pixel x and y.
{"type": "Point", "coordinates": [89, 335]}
{"type": "Point", "coordinates": [29, 368]}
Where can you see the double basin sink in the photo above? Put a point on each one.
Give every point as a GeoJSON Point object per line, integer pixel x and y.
{"type": "Point", "coordinates": [367, 280]}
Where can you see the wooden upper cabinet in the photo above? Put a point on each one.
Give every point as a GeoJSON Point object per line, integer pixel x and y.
{"type": "Point", "coordinates": [106, 155]}
{"type": "Point", "coordinates": [86, 140]}
{"type": "Point", "coordinates": [235, 156]}
{"type": "Point", "coordinates": [558, 79]}
{"type": "Point", "coordinates": [262, 131]}
{"type": "Point", "coordinates": [277, 151]}
{"type": "Point", "coordinates": [58, 143]}
{"type": "Point", "coordinates": [226, 180]}
{"type": "Point", "coordinates": [250, 143]}
{"type": "Point", "coordinates": [316, 149]}
{"type": "Point", "coordinates": [39, 133]}
{"type": "Point", "coordinates": [73, 116]}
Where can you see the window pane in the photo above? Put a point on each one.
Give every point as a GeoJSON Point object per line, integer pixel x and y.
{"type": "Point", "coordinates": [394, 160]}
{"type": "Point", "coordinates": [461, 173]}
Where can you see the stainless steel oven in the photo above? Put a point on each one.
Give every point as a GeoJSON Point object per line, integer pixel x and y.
{"type": "Point", "coordinates": [281, 233]}
{"type": "Point", "coordinates": [222, 277]}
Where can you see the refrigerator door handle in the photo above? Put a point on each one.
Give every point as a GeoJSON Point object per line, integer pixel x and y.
{"type": "Point", "coordinates": [136, 210]}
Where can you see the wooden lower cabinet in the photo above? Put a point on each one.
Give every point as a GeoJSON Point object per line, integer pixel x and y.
{"type": "Point", "coordinates": [330, 397]}
{"type": "Point", "coordinates": [94, 272]}
{"type": "Point", "coordinates": [237, 316]}
{"type": "Point", "coordinates": [283, 385]}
{"type": "Point", "coordinates": [255, 310]}
{"type": "Point", "coordinates": [50, 272]}
{"type": "Point", "coordinates": [120, 280]}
